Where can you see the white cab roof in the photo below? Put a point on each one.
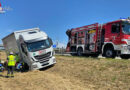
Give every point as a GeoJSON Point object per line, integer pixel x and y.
{"type": "Point", "coordinates": [34, 36]}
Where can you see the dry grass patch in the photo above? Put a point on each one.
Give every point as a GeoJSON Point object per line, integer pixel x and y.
{"type": "Point", "coordinates": [94, 73]}
{"type": "Point", "coordinates": [73, 73]}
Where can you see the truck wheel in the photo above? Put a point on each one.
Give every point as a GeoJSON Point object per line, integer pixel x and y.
{"type": "Point", "coordinates": [125, 56]}
{"type": "Point", "coordinates": [109, 53]}
{"type": "Point", "coordinates": [80, 52]}
{"type": "Point", "coordinates": [25, 67]}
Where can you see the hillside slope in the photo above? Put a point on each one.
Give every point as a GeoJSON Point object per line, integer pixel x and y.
{"type": "Point", "coordinates": [73, 73]}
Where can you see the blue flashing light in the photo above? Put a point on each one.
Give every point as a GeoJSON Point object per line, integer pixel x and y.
{"type": "Point", "coordinates": [122, 18]}
{"type": "Point", "coordinates": [54, 46]}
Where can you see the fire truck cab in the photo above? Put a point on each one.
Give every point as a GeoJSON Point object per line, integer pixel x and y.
{"type": "Point", "coordinates": [110, 39]}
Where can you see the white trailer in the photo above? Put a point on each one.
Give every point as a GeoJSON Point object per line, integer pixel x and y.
{"type": "Point", "coordinates": [34, 47]}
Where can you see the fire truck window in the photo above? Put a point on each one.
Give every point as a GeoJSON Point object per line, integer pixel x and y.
{"type": "Point", "coordinates": [115, 28]}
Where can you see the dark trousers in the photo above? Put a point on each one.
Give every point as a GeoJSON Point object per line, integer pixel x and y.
{"type": "Point", "coordinates": [10, 70]}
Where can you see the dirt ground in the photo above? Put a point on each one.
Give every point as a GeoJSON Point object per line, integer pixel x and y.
{"type": "Point", "coordinates": [73, 73]}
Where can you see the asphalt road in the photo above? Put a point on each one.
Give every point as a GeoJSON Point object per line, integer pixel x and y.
{"type": "Point", "coordinates": [100, 56]}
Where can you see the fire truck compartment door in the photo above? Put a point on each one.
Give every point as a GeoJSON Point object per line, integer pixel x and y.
{"type": "Point", "coordinates": [91, 40]}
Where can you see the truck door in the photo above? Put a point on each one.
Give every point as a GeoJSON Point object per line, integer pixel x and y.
{"type": "Point", "coordinates": [24, 53]}
{"type": "Point", "coordinates": [115, 33]}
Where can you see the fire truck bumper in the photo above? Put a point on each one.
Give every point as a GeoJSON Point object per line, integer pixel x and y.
{"type": "Point", "coordinates": [125, 49]}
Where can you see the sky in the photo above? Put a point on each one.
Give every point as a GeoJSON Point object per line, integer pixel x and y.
{"type": "Point", "coordinates": [56, 16]}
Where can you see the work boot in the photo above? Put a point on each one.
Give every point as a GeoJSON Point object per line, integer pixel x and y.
{"type": "Point", "coordinates": [7, 76]}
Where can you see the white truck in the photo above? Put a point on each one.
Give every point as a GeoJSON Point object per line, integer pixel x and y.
{"type": "Point", "coordinates": [33, 46]}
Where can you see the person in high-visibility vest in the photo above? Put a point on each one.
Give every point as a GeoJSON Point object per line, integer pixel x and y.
{"type": "Point", "coordinates": [11, 65]}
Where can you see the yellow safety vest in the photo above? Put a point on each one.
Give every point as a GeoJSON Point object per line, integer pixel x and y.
{"type": "Point", "coordinates": [11, 60]}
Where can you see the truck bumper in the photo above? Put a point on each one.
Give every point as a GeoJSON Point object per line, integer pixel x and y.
{"type": "Point", "coordinates": [39, 65]}
{"type": "Point", "coordinates": [125, 49]}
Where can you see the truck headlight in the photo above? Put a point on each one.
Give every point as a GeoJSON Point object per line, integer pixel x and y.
{"type": "Point", "coordinates": [34, 66]}
{"type": "Point", "coordinates": [54, 60]}
{"type": "Point", "coordinates": [125, 48]}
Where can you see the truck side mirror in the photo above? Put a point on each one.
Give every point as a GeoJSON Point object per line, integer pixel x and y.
{"type": "Point", "coordinates": [50, 40]}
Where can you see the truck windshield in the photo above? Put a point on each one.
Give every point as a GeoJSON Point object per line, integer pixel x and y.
{"type": "Point", "coordinates": [126, 28]}
{"type": "Point", "coordinates": [39, 45]}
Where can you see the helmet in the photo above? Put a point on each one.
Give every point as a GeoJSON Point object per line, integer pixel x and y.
{"type": "Point", "coordinates": [11, 53]}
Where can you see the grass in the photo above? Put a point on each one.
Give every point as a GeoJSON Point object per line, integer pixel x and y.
{"type": "Point", "coordinates": [95, 73]}
{"type": "Point", "coordinates": [73, 73]}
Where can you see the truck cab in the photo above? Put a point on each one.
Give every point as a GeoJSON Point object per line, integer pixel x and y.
{"type": "Point", "coordinates": [117, 39]}
{"type": "Point", "coordinates": [36, 49]}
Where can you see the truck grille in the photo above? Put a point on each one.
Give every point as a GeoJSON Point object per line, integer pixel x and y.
{"type": "Point", "coordinates": [43, 58]}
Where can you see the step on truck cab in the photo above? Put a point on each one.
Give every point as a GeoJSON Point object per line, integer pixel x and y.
{"type": "Point", "coordinates": [34, 47]}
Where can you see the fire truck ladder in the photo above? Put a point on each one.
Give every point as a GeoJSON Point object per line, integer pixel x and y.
{"type": "Point", "coordinates": [99, 38]}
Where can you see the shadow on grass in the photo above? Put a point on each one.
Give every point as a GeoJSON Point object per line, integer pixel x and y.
{"type": "Point", "coordinates": [2, 76]}
{"type": "Point", "coordinates": [46, 68]}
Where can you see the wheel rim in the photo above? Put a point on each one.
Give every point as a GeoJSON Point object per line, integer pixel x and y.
{"type": "Point", "coordinates": [109, 53]}
{"type": "Point", "coordinates": [79, 52]}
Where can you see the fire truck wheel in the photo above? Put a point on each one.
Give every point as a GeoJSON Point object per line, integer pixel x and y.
{"type": "Point", "coordinates": [109, 53]}
{"type": "Point", "coordinates": [125, 56]}
{"type": "Point", "coordinates": [80, 52]}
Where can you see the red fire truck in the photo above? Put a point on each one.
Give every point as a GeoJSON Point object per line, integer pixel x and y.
{"type": "Point", "coordinates": [110, 39]}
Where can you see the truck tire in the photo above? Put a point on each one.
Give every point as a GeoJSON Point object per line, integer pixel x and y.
{"type": "Point", "coordinates": [25, 67]}
{"type": "Point", "coordinates": [80, 52]}
{"type": "Point", "coordinates": [125, 56]}
{"type": "Point", "coordinates": [109, 52]}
